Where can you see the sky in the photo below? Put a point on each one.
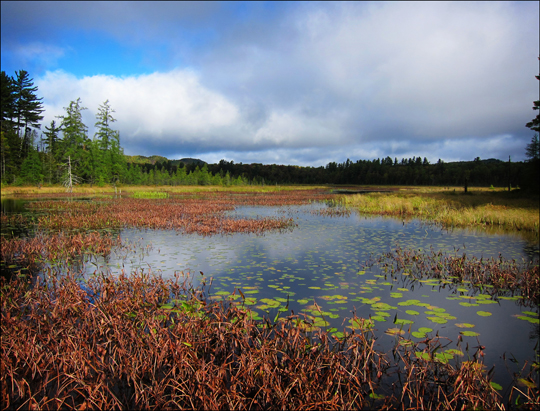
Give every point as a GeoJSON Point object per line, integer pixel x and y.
{"type": "Point", "coordinates": [297, 83]}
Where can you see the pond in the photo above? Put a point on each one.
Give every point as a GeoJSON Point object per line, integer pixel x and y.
{"type": "Point", "coordinates": [318, 269]}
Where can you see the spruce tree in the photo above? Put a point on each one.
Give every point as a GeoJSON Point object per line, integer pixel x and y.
{"type": "Point", "coordinates": [28, 108]}
{"type": "Point", "coordinates": [76, 144]}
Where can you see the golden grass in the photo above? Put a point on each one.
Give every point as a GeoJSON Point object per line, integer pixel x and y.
{"type": "Point", "coordinates": [9, 191]}
{"type": "Point", "coordinates": [480, 208]}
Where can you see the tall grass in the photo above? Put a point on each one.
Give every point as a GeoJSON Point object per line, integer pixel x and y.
{"type": "Point", "coordinates": [119, 344]}
{"type": "Point", "coordinates": [481, 209]}
{"type": "Point", "coordinates": [85, 189]}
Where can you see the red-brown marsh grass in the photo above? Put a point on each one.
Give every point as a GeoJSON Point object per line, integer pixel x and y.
{"type": "Point", "coordinates": [195, 213]}
{"type": "Point", "coordinates": [31, 253]}
{"type": "Point", "coordinates": [500, 276]}
{"type": "Point", "coordinates": [113, 343]}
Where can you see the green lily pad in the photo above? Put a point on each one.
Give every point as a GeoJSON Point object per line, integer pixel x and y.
{"type": "Point", "coordinates": [400, 321]}
{"type": "Point", "coordinates": [464, 325]}
{"type": "Point", "coordinates": [418, 334]}
{"type": "Point", "coordinates": [455, 351]}
{"type": "Point", "coordinates": [468, 304]}
{"type": "Point", "coordinates": [498, 387]}
{"type": "Point", "coordinates": [530, 319]}
{"type": "Point", "coordinates": [361, 324]}
{"type": "Point", "coordinates": [412, 312]}
{"type": "Point", "coordinates": [484, 313]}
{"type": "Point", "coordinates": [425, 329]}
{"type": "Point", "coordinates": [423, 355]}
{"type": "Point", "coordinates": [443, 357]}
{"type": "Point", "coordinates": [394, 331]}
{"type": "Point", "coordinates": [469, 333]}
{"type": "Point", "coordinates": [438, 320]}
{"type": "Point", "coordinates": [302, 301]}
{"type": "Point", "coordinates": [396, 295]}
{"type": "Point", "coordinates": [408, 303]}
{"type": "Point", "coordinates": [382, 306]}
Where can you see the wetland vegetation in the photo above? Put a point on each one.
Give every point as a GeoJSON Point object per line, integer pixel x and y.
{"type": "Point", "coordinates": [269, 297]}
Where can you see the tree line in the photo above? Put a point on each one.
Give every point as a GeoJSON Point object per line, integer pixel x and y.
{"type": "Point", "coordinates": [64, 151]}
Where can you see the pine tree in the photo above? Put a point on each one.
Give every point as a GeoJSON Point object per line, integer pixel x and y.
{"type": "Point", "coordinates": [112, 165]}
{"type": "Point", "coordinates": [76, 144]}
{"type": "Point", "coordinates": [28, 108]}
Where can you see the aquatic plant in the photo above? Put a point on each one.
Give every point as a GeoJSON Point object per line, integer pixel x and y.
{"type": "Point", "coordinates": [140, 341]}
{"type": "Point", "coordinates": [502, 276]}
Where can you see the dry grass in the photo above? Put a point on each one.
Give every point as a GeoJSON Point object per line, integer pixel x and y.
{"type": "Point", "coordinates": [475, 209]}
{"type": "Point", "coordinates": [86, 190]}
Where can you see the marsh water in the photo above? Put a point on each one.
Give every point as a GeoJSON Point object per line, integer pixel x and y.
{"type": "Point", "coordinates": [317, 269]}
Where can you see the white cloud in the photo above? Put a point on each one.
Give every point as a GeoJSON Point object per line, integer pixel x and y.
{"type": "Point", "coordinates": [169, 107]}
{"type": "Point", "coordinates": [349, 80]}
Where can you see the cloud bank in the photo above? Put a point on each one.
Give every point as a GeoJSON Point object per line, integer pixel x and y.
{"type": "Point", "coordinates": [326, 82]}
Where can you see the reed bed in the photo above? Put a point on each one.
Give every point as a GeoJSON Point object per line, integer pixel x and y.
{"type": "Point", "coordinates": [453, 210]}
{"type": "Point", "coordinates": [142, 342]}
{"type": "Point", "coordinates": [195, 213]}
{"type": "Point", "coordinates": [32, 253]}
{"type": "Point", "coordinates": [500, 276]}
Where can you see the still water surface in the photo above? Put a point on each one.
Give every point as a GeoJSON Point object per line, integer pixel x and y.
{"type": "Point", "coordinates": [321, 261]}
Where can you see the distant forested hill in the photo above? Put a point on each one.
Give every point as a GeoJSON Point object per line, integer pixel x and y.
{"type": "Point", "coordinates": [160, 159]}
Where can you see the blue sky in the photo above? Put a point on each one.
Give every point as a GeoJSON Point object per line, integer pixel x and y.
{"type": "Point", "coordinates": [302, 83]}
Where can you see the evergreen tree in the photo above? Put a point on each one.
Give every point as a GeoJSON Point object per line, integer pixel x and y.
{"type": "Point", "coordinates": [532, 150]}
{"type": "Point", "coordinates": [76, 144]}
{"type": "Point", "coordinates": [534, 124]}
{"type": "Point", "coordinates": [112, 164]}
{"type": "Point", "coordinates": [28, 108]}
{"type": "Point", "coordinates": [52, 149]}
{"type": "Point", "coordinates": [7, 99]}
{"type": "Point", "coordinates": [32, 168]}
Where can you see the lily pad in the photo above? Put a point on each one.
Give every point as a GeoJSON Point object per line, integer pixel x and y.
{"type": "Point", "coordinates": [400, 321]}
{"type": "Point", "coordinates": [498, 387]}
{"type": "Point", "coordinates": [412, 312]}
{"type": "Point", "coordinates": [469, 304]}
{"type": "Point", "coordinates": [382, 306]}
{"type": "Point", "coordinates": [484, 313]}
{"type": "Point", "coordinates": [469, 333]}
{"type": "Point", "coordinates": [423, 355]}
{"type": "Point", "coordinates": [530, 319]}
{"type": "Point", "coordinates": [530, 313]}
{"type": "Point", "coordinates": [464, 325]}
{"type": "Point", "coordinates": [437, 320]}
{"type": "Point", "coordinates": [394, 331]}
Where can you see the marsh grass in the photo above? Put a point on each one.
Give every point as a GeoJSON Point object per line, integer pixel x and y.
{"type": "Point", "coordinates": [453, 209]}
{"type": "Point", "coordinates": [142, 342]}
{"type": "Point", "coordinates": [86, 190]}
{"type": "Point", "coordinates": [150, 194]}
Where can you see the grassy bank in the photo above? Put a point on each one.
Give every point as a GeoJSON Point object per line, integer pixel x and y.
{"type": "Point", "coordinates": [9, 191]}
{"type": "Point", "coordinates": [478, 208]}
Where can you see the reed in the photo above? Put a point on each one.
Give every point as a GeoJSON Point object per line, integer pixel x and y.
{"type": "Point", "coordinates": [480, 209]}
{"type": "Point", "coordinates": [140, 341]}
{"type": "Point", "coordinates": [500, 276]}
